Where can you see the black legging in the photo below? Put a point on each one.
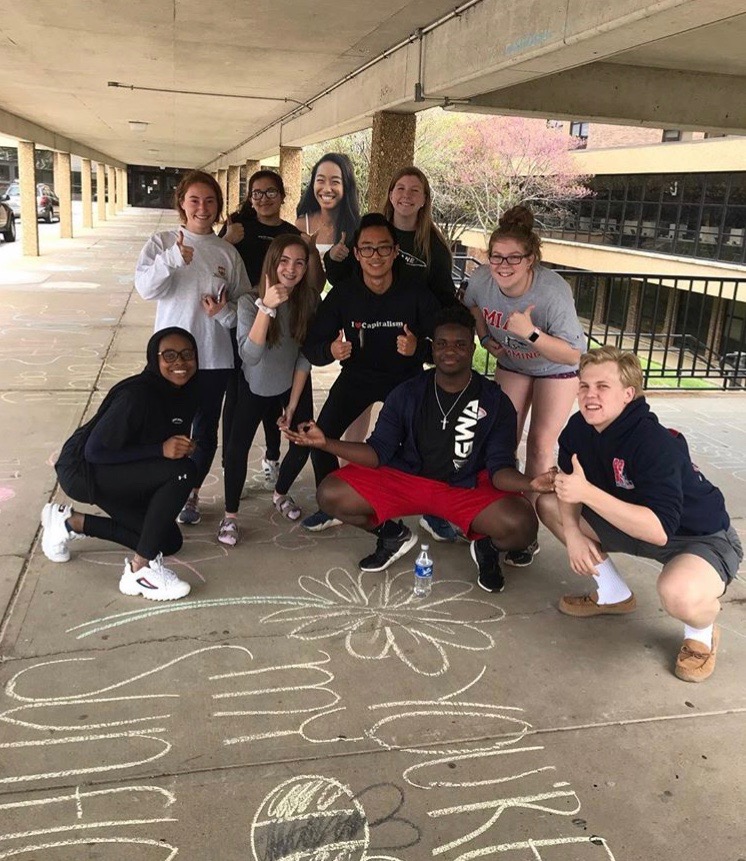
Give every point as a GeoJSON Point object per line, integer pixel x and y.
{"type": "Point", "coordinates": [212, 385]}
{"type": "Point", "coordinates": [249, 411]}
{"type": "Point", "coordinates": [350, 395]}
{"type": "Point", "coordinates": [142, 500]}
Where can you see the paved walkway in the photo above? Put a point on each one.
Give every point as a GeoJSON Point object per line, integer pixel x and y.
{"type": "Point", "coordinates": [291, 708]}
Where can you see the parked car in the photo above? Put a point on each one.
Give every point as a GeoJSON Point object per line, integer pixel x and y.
{"type": "Point", "coordinates": [7, 223]}
{"type": "Point", "coordinates": [47, 202]}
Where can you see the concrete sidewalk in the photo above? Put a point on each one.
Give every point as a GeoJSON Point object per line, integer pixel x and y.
{"type": "Point", "coordinates": [292, 708]}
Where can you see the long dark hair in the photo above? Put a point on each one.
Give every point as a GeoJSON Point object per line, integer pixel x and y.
{"type": "Point", "coordinates": [348, 211]}
{"type": "Point", "coordinates": [304, 298]}
{"type": "Point", "coordinates": [247, 211]}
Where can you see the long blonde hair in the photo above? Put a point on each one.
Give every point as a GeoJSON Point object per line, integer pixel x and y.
{"type": "Point", "coordinates": [425, 226]}
{"type": "Point", "coordinates": [303, 300]}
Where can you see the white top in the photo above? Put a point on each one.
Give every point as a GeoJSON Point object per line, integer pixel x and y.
{"type": "Point", "coordinates": [321, 247]}
{"type": "Point", "coordinates": [162, 274]}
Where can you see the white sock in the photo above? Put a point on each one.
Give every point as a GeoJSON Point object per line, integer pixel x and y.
{"type": "Point", "coordinates": [701, 635]}
{"type": "Point", "coordinates": [611, 588]}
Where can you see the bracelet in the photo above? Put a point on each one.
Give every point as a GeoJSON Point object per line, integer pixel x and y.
{"type": "Point", "coordinates": [485, 338]}
{"type": "Point", "coordinates": [270, 312]}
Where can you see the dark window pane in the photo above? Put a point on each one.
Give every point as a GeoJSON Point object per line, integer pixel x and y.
{"type": "Point", "coordinates": [693, 188]}
{"type": "Point", "coordinates": [715, 188]}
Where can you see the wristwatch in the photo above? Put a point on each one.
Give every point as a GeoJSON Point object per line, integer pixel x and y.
{"type": "Point", "coordinates": [534, 335]}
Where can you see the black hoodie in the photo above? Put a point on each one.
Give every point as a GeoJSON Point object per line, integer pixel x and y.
{"type": "Point", "coordinates": [637, 460]}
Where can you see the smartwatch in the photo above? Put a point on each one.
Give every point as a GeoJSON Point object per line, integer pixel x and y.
{"type": "Point", "coordinates": [484, 339]}
{"type": "Point", "coordinates": [534, 336]}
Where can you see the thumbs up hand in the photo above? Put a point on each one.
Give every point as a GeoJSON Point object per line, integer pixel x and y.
{"type": "Point", "coordinates": [406, 344]}
{"type": "Point", "coordinates": [520, 323]}
{"type": "Point", "coordinates": [187, 252]}
{"type": "Point", "coordinates": [340, 251]}
{"type": "Point", "coordinates": [341, 348]}
{"type": "Point", "coordinates": [234, 232]}
{"type": "Point", "coordinates": [572, 488]}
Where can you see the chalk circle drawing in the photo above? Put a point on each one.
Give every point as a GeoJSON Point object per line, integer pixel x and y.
{"type": "Point", "coordinates": [379, 617]}
{"type": "Point", "coordinates": [314, 818]}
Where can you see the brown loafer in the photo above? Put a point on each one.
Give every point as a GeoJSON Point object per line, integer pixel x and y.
{"type": "Point", "coordinates": [585, 606]}
{"type": "Point", "coordinates": [695, 662]}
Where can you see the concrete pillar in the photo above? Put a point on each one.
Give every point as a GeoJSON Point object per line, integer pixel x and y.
{"type": "Point", "coordinates": [234, 181]}
{"type": "Point", "coordinates": [252, 166]}
{"type": "Point", "coordinates": [633, 308]}
{"type": "Point", "coordinates": [714, 338]}
{"type": "Point", "coordinates": [100, 191]}
{"type": "Point", "coordinates": [111, 191]}
{"type": "Point", "coordinates": [125, 188]}
{"type": "Point", "coordinates": [291, 166]}
{"type": "Point", "coordinates": [63, 187]}
{"type": "Point", "coordinates": [601, 301]}
{"type": "Point", "coordinates": [392, 147]}
{"type": "Point", "coordinates": [222, 179]}
{"type": "Point", "coordinates": [27, 180]}
{"type": "Point", "coordinates": [119, 198]}
{"type": "Point", "coordinates": [672, 309]}
{"type": "Point", "coordinates": [86, 191]}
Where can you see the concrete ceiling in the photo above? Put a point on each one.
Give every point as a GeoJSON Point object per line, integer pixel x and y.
{"type": "Point", "coordinates": [63, 56]}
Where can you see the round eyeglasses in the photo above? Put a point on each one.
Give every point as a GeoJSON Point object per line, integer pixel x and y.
{"type": "Point", "coordinates": [170, 356]}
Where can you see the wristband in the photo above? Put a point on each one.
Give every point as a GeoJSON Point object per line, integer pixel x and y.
{"type": "Point", "coordinates": [485, 338]}
{"type": "Point", "coordinates": [270, 312]}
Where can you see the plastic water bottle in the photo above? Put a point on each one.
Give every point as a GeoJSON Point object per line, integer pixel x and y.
{"type": "Point", "coordinates": [423, 573]}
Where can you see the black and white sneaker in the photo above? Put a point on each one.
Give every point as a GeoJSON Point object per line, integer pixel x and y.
{"type": "Point", "coordinates": [394, 540]}
{"type": "Point", "coordinates": [487, 559]}
{"type": "Point", "coordinates": [155, 582]}
{"type": "Point", "coordinates": [522, 558]}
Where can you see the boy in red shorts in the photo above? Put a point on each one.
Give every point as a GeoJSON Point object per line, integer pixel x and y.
{"type": "Point", "coordinates": [444, 444]}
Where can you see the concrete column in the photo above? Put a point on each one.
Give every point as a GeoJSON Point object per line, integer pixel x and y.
{"type": "Point", "coordinates": [119, 198]}
{"type": "Point", "coordinates": [291, 166]}
{"type": "Point", "coordinates": [27, 179]}
{"type": "Point", "coordinates": [234, 182]}
{"type": "Point", "coordinates": [100, 191]}
{"type": "Point", "coordinates": [63, 187]}
{"type": "Point", "coordinates": [672, 308]}
{"type": "Point", "coordinates": [86, 189]}
{"type": "Point", "coordinates": [392, 147]}
{"type": "Point", "coordinates": [222, 179]}
{"type": "Point", "coordinates": [633, 308]}
{"type": "Point", "coordinates": [125, 188]}
{"type": "Point", "coordinates": [252, 166]}
{"type": "Point", "coordinates": [715, 329]}
{"type": "Point", "coordinates": [111, 192]}
{"type": "Point", "coordinates": [602, 300]}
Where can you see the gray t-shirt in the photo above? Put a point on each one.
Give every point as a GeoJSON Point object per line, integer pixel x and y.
{"type": "Point", "coordinates": [268, 370]}
{"type": "Point", "coordinates": [554, 313]}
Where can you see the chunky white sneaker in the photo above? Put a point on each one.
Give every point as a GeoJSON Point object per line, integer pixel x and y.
{"type": "Point", "coordinates": [156, 582]}
{"type": "Point", "coordinates": [55, 534]}
{"type": "Point", "coordinates": [271, 469]}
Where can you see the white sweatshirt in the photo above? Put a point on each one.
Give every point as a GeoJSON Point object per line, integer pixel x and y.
{"type": "Point", "coordinates": [162, 274]}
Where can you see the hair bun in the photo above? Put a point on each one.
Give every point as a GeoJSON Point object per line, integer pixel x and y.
{"type": "Point", "coordinates": [517, 218]}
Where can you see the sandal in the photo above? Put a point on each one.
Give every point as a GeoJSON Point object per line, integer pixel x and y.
{"type": "Point", "coordinates": [286, 506]}
{"type": "Point", "coordinates": [228, 531]}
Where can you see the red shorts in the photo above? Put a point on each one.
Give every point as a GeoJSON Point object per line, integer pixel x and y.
{"type": "Point", "coordinates": [393, 493]}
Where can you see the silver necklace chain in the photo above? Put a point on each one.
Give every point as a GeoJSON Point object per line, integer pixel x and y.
{"type": "Point", "coordinates": [445, 414]}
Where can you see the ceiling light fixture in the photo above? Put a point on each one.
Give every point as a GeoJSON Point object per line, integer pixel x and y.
{"type": "Point", "coordinates": [138, 125]}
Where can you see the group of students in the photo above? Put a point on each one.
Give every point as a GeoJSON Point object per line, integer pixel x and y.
{"type": "Point", "coordinates": [245, 308]}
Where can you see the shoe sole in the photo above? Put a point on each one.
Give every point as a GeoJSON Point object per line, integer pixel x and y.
{"type": "Point", "coordinates": [46, 516]}
{"type": "Point", "coordinates": [684, 676]}
{"type": "Point", "coordinates": [521, 564]}
{"type": "Point", "coordinates": [404, 549]}
{"type": "Point", "coordinates": [327, 524]}
{"type": "Point", "coordinates": [596, 610]}
{"type": "Point", "coordinates": [426, 526]}
{"type": "Point", "coordinates": [473, 553]}
{"type": "Point", "coordinates": [188, 522]}
{"type": "Point", "coordinates": [133, 593]}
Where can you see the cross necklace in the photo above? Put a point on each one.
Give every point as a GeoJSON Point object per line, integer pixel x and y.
{"type": "Point", "coordinates": [444, 420]}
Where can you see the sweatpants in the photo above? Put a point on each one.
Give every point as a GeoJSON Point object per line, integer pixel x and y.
{"type": "Point", "coordinates": [249, 411]}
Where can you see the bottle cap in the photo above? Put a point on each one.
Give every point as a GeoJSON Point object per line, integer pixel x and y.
{"type": "Point", "coordinates": [424, 547]}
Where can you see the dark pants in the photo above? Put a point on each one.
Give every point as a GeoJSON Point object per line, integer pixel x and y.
{"type": "Point", "coordinates": [212, 385]}
{"type": "Point", "coordinates": [142, 500]}
{"type": "Point", "coordinates": [249, 411]}
{"type": "Point", "coordinates": [349, 396]}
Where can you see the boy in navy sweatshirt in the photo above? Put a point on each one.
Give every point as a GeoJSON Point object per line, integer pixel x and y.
{"type": "Point", "coordinates": [628, 485]}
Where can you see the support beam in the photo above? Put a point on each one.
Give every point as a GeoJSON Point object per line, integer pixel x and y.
{"type": "Point", "coordinates": [27, 181]}
{"type": "Point", "coordinates": [234, 183]}
{"type": "Point", "coordinates": [222, 179]}
{"type": "Point", "coordinates": [633, 95]}
{"type": "Point", "coordinates": [119, 173]}
{"type": "Point", "coordinates": [63, 187]}
{"type": "Point", "coordinates": [111, 192]}
{"type": "Point", "coordinates": [100, 191]}
{"type": "Point", "coordinates": [391, 148]}
{"type": "Point", "coordinates": [86, 191]}
{"type": "Point", "coordinates": [291, 167]}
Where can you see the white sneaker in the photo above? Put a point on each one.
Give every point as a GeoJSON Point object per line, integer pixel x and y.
{"type": "Point", "coordinates": [55, 534]}
{"type": "Point", "coordinates": [271, 473]}
{"type": "Point", "coordinates": [156, 582]}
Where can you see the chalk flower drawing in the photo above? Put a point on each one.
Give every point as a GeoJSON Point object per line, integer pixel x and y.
{"type": "Point", "coordinates": [380, 617]}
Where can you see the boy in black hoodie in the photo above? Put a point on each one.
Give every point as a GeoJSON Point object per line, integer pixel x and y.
{"type": "Point", "coordinates": [627, 484]}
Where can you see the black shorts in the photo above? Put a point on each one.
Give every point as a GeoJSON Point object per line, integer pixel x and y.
{"type": "Point", "coordinates": [722, 549]}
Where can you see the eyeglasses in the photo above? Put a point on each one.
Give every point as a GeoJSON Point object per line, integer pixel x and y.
{"type": "Point", "coordinates": [170, 356]}
{"type": "Point", "coordinates": [380, 250]}
{"type": "Point", "coordinates": [270, 194]}
{"type": "Point", "coordinates": [511, 259]}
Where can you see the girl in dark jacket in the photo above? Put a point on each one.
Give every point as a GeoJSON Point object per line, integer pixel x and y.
{"type": "Point", "coordinates": [135, 460]}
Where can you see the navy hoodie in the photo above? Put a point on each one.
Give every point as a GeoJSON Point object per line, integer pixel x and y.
{"type": "Point", "coordinates": [637, 460]}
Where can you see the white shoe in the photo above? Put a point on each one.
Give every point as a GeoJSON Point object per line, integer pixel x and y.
{"type": "Point", "coordinates": [55, 534]}
{"type": "Point", "coordinates": [271, 470]}
{"type": "Point", "coordinates": [156, 582]}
